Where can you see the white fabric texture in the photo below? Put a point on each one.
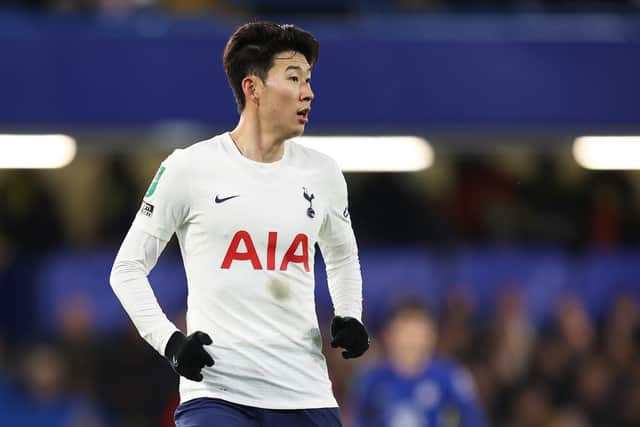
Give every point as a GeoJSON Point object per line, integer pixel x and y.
{"type": "Point", "coordinates": [247, 233]}
{"type": "Point", "coordinates": [137, 256]}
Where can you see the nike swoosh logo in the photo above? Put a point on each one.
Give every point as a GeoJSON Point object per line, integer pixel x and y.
{"type": "Point", "coordinates": [224, 199]}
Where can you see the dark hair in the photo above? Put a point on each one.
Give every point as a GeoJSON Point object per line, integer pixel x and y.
{"type": "Point", "coordinates": [252, 47]}
{"type": "Point", "coordinates": [411, 306]}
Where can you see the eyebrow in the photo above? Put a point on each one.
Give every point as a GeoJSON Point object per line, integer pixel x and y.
{"type": "Point", "coordinates": [296, 67]}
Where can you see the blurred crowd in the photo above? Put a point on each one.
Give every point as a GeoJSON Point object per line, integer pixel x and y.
{"type": "Point", "coordinates": [576, 370]}
{"type": "Point", "coordinates": [540, 201]}
{"type": "Point", "coordinates": [80, 379]}
{"type": "Point", "coordinates": [464, 199]}
{"type": "Point", "coordinates": [267, 7]}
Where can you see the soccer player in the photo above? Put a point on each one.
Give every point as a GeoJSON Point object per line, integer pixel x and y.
{"type": "Point", "coordinates": [248, 207]}
{"type": "Point", "coordinates": [413, 388]}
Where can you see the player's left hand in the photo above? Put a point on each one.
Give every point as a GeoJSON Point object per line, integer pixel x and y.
{"type": "Point", "coordinates": [350, 334]}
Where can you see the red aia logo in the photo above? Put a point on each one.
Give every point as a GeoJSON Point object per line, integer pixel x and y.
{"type": "Point", "coordinates": [251, 255]}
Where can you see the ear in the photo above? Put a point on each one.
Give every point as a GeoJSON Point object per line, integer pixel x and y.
{"type": "Point", "coordinates": [251, 88]}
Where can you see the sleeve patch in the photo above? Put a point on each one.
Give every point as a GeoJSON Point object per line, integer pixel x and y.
{"type": "Point", "coordinates": [154, 183]}
{"type": "Point", "coordinates": [146, 209]}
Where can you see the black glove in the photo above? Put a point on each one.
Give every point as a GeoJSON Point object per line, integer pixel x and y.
{"type": "Point", "coordinates": [187, 356]}
{"type": "Point", "coordinates": [350, 334]}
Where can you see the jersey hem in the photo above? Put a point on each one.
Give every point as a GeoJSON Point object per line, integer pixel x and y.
{"type": "Point", "coordinates": [261, 404]}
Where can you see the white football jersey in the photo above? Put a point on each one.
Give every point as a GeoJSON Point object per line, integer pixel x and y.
{"type": "Point", "coordinates": [247, 232]}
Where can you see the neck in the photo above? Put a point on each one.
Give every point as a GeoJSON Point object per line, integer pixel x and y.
{"type": "Point", "coordinates": [257, 142]}
{"type": "Point", "coordinates": [409, 366]}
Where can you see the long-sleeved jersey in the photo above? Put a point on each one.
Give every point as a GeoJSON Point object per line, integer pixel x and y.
{"type": "Point", "coordinates": [247, 232]}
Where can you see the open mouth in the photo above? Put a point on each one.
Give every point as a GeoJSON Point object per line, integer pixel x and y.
{"type": "Point", "coordinates": [304, 114]}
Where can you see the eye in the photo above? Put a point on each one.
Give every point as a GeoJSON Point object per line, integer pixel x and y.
{"type": "Point", "coordinates": [294, 78]}
{"type": "Point", "coordinates": [308, 81]}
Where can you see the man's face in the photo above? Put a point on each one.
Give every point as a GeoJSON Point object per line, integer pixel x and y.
{"type": "Point", "coordinates": [285, 96]}
{"type": "Point", "coordinates": [410, 339]}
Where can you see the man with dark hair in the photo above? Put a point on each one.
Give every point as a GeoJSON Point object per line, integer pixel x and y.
{"type": "Point", "coordinates": [412, 387]}
{"type": "Point", "coordinates": [248, 207]}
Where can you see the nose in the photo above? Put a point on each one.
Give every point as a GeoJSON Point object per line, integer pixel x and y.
{"type": "Point", "coordinates": [307, 93]}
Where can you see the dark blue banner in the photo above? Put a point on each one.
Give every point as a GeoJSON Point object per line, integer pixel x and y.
{"type": "Point", "coordinates": [438, 72]}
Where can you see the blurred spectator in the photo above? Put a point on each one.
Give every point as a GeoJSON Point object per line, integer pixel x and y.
{"type": "Point", "coordinates": [139, 397]}
{"type": "Point", "coordinates": [594, 389]}
{"type": "Point", "coordinates": [610, 193]}
{"type": "Point", "coordinates": [576, 327]}
{"type": "Point", "coordinates": [412, 388]}
{"type": "Point", "coordinates": [122, 198]}
{"type": "Point", "coordinates": [513, 337]}
{"type": "Point", "coordinates": [550, 209]}
{"type": "Point", "coordinates": [40, 398]}
{"type": "Point", "coordinates": [621, 333]}
{"type": "Point", "coordinates": [552, 366]}
{"type": "Point", "coordinates": [78, 344]}
{"type": "Point", "coordinates": [569, 417]}
{"type": "Point", "coordinates": [29, 218]}
{"type": "Point", "coordinates": [456, 335]}
{"type": "Point", "coordinates": [482, 206]}
{"type": "Point", "coordinates": [106, 368]}
{"type": "Point", "coordinates": [628, 408]}
{"type": "Point", "coordinates": [531, 407]}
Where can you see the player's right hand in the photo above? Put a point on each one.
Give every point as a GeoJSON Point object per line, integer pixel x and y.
{"type": "Point", "coordinates": [187, 356]}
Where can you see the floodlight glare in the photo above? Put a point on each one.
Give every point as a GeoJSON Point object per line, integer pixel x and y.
{"type": "Point", "coordinates": [36, 151]}
{"type": "Point", "coordinates": [374, 153]}
{"type": "Point", "coordinates": [607, 152]}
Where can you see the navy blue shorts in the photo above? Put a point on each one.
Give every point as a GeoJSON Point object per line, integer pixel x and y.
{"type": "Point", "coordinates": [207, 412]}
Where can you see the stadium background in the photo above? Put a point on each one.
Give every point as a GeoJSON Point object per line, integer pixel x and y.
{"type": "Point", "coordinates": [531, 262]}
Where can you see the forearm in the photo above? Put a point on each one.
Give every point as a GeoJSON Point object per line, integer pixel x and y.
{"type": "Point", "coordinates": [137, 256]}
{"type": "Point", "coordinates": [344, 279]}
